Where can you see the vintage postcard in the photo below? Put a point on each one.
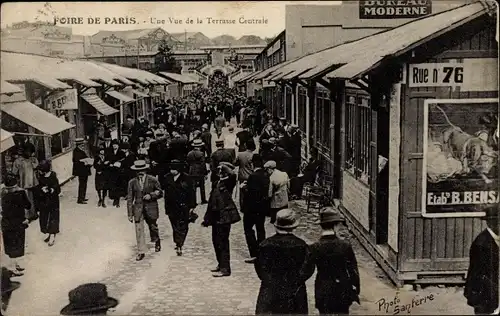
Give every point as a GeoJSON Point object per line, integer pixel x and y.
{"type": "Point", "coordinates": [250, 157]}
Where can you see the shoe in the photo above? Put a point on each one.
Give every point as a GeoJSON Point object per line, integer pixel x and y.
{"type": "Point", "coordinates": [16, 273]}
{"type": "Point", "coordinates": [81, 202]}
{"type": "Point", "coordinates": [52, 242]}
{"type": "Point", "coordinates": [118, 205]}
{"type": "Point", "coordinates": [157, 247]}
{"type": "Point", "coordinates": [19, 268]}
{"type": "Point", "coordinates": [99, 203]}
{"type": "Point", "coordinates": [85, 200]}
{"type": "Point", "coordinates": [221, 274]}
{"type": "Point", "coordinates": [179, 251]}
{"type": "Point", "coordinates": [103, 205]}
{"type": "Point", "coordinates": [250, 260]}
{"type": "Point", "coordinates": [139, 257]}
{"type": "Point", "coordinates": [216, 269]}
{"type": "Point", "coordinates": [204, 202]}
{"type": "Point", "coordinates": [47, 239]}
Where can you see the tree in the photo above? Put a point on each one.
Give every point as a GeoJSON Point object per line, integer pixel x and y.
{"type": "Point", "coordinates": [165, 60]}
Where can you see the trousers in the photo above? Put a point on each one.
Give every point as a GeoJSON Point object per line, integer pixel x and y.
{"type": "Point", "coordinates": [140, 233]}
{"type": "Point", "coordinates": [220, 240]}
{"type": "Point", "coordinates": [180, 228]}
{"type": "Point", "coordinates": [251, 220]}
{"type": "Point", "coordinates": [199, 182]}
{"type": "Point", "coordinates": [82, 187]}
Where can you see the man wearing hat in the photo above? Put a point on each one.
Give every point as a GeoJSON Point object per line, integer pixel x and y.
{"type": "Point", "coordinates": [89, 299]}
{"type": "Point", "coordinates": [230, 141]}
{"type": "Point", "coordinates": [8, 286]}
{"type": "Point", "coordinates": [127, 162]}
{"type": "Point", "coordinates": [180, 201]}
{"type": "Point", "coordinates": [293, 141]}
{"type": "Point", "coordinates": [198, 168]}
{"type": "Point", "coordinates": [142, 205]}
{"type": "Point", "coordinates": [278, 188]}
{"type": "Point", "coordinates": [206, 138]}
{"type": "Point", "coordinates": [158, 155]}
{"type": "Point", "coordinates": [481, 285]}
{"type": "Point", "coordinates": [81, 169]}
{"type": "Point", "coordinates": [218, 156]}
{"type": "Point", "coordinates": [279, 266]}
{"type": "Point", "coordinates": [337, 283]}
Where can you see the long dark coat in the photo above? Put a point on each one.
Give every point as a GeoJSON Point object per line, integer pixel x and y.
{"type": "Point", "coordinates": [159, 153]}
{"type": "Point", "coordinates": [256, 198]}
{"type": "Point", "coordinates": [280, 267]}
{"type": "Point", "coordinates": [197, 165]}
{"type": "Point", "coordinates": [136, 205]}
{"type": "Point", "coordinates": [206, 137]}
{"type": "Point", "coordinates": [221, 209]}
{"type": "Point", "coordinates": [101, 173]}
{"type": "Point", "coordinates": [179, 195]}
{"type": "Point", "coordinates": [79, 168]}
{"type": "Point", "coordinates": [216, 158]}
{"type": "Point", "coordinates": [14, 203]}
{"type": "Point", "coordinates": [481, 286]}
{"type": "Point", "coordinates": [48, 203]}
{"type": "Point", "coordinates": [337, 273]}
{"type": "Point", "coordinates": [114, 173]}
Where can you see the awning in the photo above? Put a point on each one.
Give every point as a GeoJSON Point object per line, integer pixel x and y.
{"type": "Point", "coordinates": [7, 140]}
{"type": "Point", "coordinates": [6, 88]}
{"type": "Point", "coordinates": [120, 96]}
{"type": "Point", "coordinates": [139, 93]}
{"type": "Point", "coordinates": [84, 82]}
{"type": "Point", "coordinates": [109, 82]}
{"type": "Point", "coordinates": [49, 83]}
{"type": "Point", "coordinates": [99, 104]}
{"type": "Point", "coordinates": [36, 117]}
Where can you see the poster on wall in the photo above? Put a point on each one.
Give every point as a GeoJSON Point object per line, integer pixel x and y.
{"type": "Point", "coordinates": [460, 162]}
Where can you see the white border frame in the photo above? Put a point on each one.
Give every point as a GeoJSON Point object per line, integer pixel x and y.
{"type": "Point", "coordinates": [424, 160]}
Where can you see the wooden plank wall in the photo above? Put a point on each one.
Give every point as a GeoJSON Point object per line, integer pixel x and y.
{"type": "Point", "coordinates": [439, 244]}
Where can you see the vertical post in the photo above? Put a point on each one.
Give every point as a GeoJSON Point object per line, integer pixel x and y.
{"type": "Point", "coordinates": [296, 103]}
{"type": "Point", "coordinates": [283, 91]}
{"type": "Point", "coordinates": [337, 88]}
{"type": "Point", "coordinates": [311, 116]}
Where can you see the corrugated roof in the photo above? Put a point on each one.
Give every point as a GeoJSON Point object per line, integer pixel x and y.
{"type": "Point", "coordinates": [99, 104]}
{"type": "Point", "coordinates": [119, 96]}
{"type": "Point", "coordinates": [140, 75]}
{"type": "Point", "coordinates": [6, 87]}
{"type": "Point", "coordinates": [7, 140]}
{"type": "Point", "coordinates": [265, 73]}
{"type": "Point", "coordinates": [178, 78]}
{"type": "Point", "coordinates": [36, 117]}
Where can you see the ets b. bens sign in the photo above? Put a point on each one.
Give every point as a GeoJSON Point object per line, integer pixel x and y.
{"type": "Point", "coordinates": [394, 9]}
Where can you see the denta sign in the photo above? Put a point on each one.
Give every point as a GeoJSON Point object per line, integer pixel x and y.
{"type": "Point", "coordinates": [394, 9]}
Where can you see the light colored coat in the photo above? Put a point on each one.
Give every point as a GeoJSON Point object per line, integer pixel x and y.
{"type": "Point", "coordinates": [278, 189]}
{"type": "Point", "coordinates": [136, 206]}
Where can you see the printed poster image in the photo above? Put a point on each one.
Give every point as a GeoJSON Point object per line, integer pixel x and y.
{"type": "Point", "coordinates": [460, 165]}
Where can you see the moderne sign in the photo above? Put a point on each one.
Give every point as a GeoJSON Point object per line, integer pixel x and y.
{"type": "Point", "coordinates": [394, 9]}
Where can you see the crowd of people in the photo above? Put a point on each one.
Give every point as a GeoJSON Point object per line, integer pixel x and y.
{"type": "Point", "coordinates": [169, 159]}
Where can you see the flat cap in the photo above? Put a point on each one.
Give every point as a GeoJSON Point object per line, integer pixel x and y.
{"type": "Point", "coordinates": [271, 164]}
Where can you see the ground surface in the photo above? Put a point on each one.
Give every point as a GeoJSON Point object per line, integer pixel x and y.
{"type": "Point", "coordinates": [98, 245]}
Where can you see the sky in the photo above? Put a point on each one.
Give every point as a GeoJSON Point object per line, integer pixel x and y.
{"type": "Point", "coordinates": [163, 13]}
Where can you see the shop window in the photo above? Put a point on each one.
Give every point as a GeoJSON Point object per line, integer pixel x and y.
{"type": "Point", "coordinates": [302, 108]}
{"type": "Point", "coordinates": [323, 118]}
{"type": "Point", "coordinates": [60, 143]}
{"type": "Point", "coordinates": [357, 137]}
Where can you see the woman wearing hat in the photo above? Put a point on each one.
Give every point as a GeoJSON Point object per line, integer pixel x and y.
{"type": "Point", "coordinates": [101, 166]}
{"type": "Point", "coordinates": [14, 222]}
{"type": "Point", "coordinates": [89, 299]}
{"type": "Point", "coordinates": [337, 283]}
{"type": "Point", "coordinates": [114, 156]}
{"type": "Point", "coordinates": [47, 201]}
{"type": "Point", "coordinates": [8, 286]}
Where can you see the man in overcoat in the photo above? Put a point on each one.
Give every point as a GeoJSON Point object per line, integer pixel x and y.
{"type": "Point", "coordinates": [206, 138]}
{"type": "Point", "coordinates": [218, 156]}
{"type": "Point", "coordinates": [279, 266]}
{"type": "Point", "coordinates": [337, 281]}
{"type": "Point", "coordinates": [180, 200]}
{"type": "Point", "coordinates": [481, 285]}
{"type": "Point", "coordinates": [142, 205]}
{"type": "Point", "coordinates": [81, 169]}
{"type": "Point", "coordinates": [198, 167]}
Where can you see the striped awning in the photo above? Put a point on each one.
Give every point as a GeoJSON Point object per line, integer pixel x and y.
{"type": "Point", "coordinates": [36, 117]}
{"type": "Point", "coordinates": [7, 140]}
{"type": "Point", "coordinates": [99, 104]}
{"type": "Point", "coordinates": [120, 96]}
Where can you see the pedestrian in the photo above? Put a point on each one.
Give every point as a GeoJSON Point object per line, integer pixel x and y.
{"type": "Point", "coordinates": [245, 167]}
{"type": "Point", "coordinates": [81, 169]}
{"type": "Point", "coordinates": [101, 182]}
{"type": "Point", "coordinates": [126, 174]}
{"type": "Point", "coordinates": [279, 266]}
{"type": "Point", "coordinates": [180, 201]}
{"type": "Point", "coordinates": [219, 124]}
{"type": "Point", "coordinates": [242, 138]}
{"type": "Point", "coordinates": [230, 142]}
{"type": "Point", "coordinates": [206, 138]}
{"type": "Point", "coordinates": [15, 202]}
{"type": "Point", "coordinates": [481, 285]}
{"type": "Point", "coordinates": [255, 206]}
{"type": "Point", "coordinates": [278, 189]}
{"type": "Point", "coordinates": [218, 156]}
{"type": "Point", "coordinates": [221, 214]}
{"type": "Point", "coordinates": [8, 286]}
{"type": "Point", "coordinates": [198, 168]}
{"type": "Point", "coordinates": [47, 201]}
{"type": "Point", "coordinates": [142, 205]}
{"type": "Point", "coordinates": [24, 168]}
{"type": "Point", "coordinates": [114, 157]}
{"type": "Point", "coordinates": [337, 283]}
{"type": "Point", "coordinates": [89, 299]}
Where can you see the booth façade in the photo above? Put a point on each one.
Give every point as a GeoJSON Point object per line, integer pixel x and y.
{"type": "Point", "coordinates": [406, 8]}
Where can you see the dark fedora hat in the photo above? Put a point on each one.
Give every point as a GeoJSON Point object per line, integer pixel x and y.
{"type": "Point", "coordinates": [330, 215]}
{"type": "Point", "coordinates": [8, 285]}
{"type": "Point", "coordinates": [286, 219]}
{"type": "Point", "coordinates": [177, 165]}
{"type": "Point", "coordinates": [88, 298]}
{"type": "Point", "coordinates": [492, 213]}
{"type": "Point", "coordinates": [219, 142]}
{"type": "Point", "coordinates": [140, 165]}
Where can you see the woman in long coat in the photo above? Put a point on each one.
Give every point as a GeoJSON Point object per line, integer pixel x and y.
{"type": "Point", "coordinates": [114, 156]}
{"type": "Point", "coordinates": [101, 176]}
{"type": "Point", "coordinates": [47, 201]}
{"type": "Point", "coordinates": [14, 205]}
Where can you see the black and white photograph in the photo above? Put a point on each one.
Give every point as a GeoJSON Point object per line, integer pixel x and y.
{"type": "Point", "coordinates": [250, 157]}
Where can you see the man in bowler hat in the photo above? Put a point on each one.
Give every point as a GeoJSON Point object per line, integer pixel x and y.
{"type": "Point", "coordinates": [81, 169]}
{"type": "Point", "coordinates": [481, 285]}
{"type": "Point", "coordinates": [218, 156]}
{"type": "Point", "coordinates": [142, 205]}
{"type": "Point", "coordinates": [337, 281]}
{"type": "Point", "coordinates": [89, 299]}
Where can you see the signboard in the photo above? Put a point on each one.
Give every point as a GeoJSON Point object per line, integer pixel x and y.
{"type": "Point", "coordinates": [65, 100]}
{"type": "Point", "coordinates": [460, 157]}
{"type": "Point", "coordinates": [473, 74]}
{"type": "Point", "coordinates": [394, 9]}
{"type": "Point", "coordinates": [273, 49]}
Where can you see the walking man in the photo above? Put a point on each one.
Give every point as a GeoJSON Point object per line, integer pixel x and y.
{"type": "Point", "coordinates": [218, 156]}
{"type": "Point", "coordinates": [278, 189]}
{"type": "Point", "coordinates": [142, 205]}
{"type": "Point", "coordinates": [198, 168]}
{"type": "Point", "coordinates": [81, 169]}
